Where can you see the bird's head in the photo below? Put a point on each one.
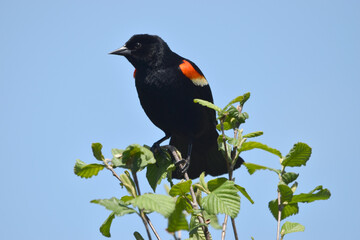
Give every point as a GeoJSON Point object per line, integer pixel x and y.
{"type": "Point", "coordinates": [144, 51]}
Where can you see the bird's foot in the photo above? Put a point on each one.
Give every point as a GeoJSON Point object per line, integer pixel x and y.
{"type": "Point", "coordinates": [182, 165]}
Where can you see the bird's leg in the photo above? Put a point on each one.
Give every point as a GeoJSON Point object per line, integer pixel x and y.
{"type": "Point", "coordinates": [156, 146]}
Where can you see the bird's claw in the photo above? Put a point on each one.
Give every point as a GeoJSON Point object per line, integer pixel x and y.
{"type": "Point", "coordinates": [185, 165]}
{"type": "Point", "coordinates": [155, 148]}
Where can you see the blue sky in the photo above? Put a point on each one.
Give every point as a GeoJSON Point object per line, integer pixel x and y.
{"type": "Point", "coordinates": [60, 91]}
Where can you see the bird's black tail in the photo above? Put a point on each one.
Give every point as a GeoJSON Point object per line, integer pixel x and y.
{"type": "Point", "coordinates": [205, 156]}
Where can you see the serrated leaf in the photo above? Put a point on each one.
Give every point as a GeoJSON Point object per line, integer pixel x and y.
{"type": "Point", "coordinates": [289, 227]}
{"type": "Point", "coordinates": [251, 167]}
{"type": "Point", "coordinates": [155, 173]}
{"type": "Point", "coordinates": [297, 156]}
{"type": "Point", "coordinates": [196, 232]}
{"type": "Point", "coordinates": [288, 210]}
{"type": "Point", "coordinates": [251, 145]}
{"type": "Point", "coordinates": [138, 236]}
{"type": "Point", "coordinates": [207, 104]}
{"type": "Point", "coordinates": [84, 170]}
{"type": "Point", "coordinates": [253, 134]}
{"type": "Point", "coordinates": [96, 148]}
{"type": "Point", "coordinates": [286, 193]}
{"type": "Point", "coordinates": [135, 158]}
{"type": "Point", "coordinates": [181, 188]}
{"type": "Point", "coordinates": [243, 192]}
{"type": "Point", "coordinates": [321, 194]}
{"type": "Point", "coordinates": [294, 187]}
{"type": "Point", "coordinates": [105, 227]}
{"type": "Point", "coordinates": [223, 198]}
{"type": "Point", "coordinates": [162, 204]}
{"type": "Point", "coordinates": [289, 177]}
{"type": "Point", "coordinates": [118, 207]}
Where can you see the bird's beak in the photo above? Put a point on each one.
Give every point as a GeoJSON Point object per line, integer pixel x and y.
{"type": "Point", "coordinates": [123, 51]}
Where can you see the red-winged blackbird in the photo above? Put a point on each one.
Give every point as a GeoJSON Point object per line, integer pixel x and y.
{"type": "Point", "coordinates": [167, 84]}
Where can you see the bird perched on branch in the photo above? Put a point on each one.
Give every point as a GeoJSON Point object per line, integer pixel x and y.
{"type": "Point", "coordinates": [167, 85]}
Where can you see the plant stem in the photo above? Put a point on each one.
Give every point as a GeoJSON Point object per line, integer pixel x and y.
{"type": "Point", "coordinates": [142, 215]}
{"type": "Point", "coordinates": [279, 216]}
{"type": "Point", "coordinates": [194, 203]}
{"type": "Point", "coordinates": [280, 205]}
{"type": "Point", "coordinates": [224, 228]}
{"type": "Point", "coordinates": [234, 228]}
{"type": "Point", "coordinates": [230, 171]}
{"type": "Point", "coordinates": [145, 218]}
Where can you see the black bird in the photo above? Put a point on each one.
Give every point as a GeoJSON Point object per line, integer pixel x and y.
{"type": "Point", "coordinates": [167, 84]}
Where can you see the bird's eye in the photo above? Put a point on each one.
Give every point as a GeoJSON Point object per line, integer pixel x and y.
{"type": "Point", "coordinates": [137, 46]}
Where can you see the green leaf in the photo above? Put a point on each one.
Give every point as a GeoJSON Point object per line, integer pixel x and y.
{"type": "Point", "coordinates": [253, 134]}
{"type": "Point", "coordinates": [117, 157]}
{"type": "Point", "coordinates": [138, 236]}
{"type": "Point", "coordinates": [251, 145]}
{"type": "Point", "coordinates": [240, 99]}
{"type": "Point", "coordinates": [202, 182]}
{"type": "Point", "coordinates": [286, 193]}
{"type": "Point", "coordinates": [243, 192]}
{"type": "Point", "coordinates": [126, 198]}
{"type": "Point", "coordinates": [294, 187]}
{"type": "Point", "coordinates": [288, 210]}
{"type": "Point", "coordinates": [196, 232]}
{"type": "Point", "coordinates": [227, 126]}
{"type": "Point", "coordinates": [155, 173]}
{"type": "Point", "coordinates": [181, 188]}
{"type": "Point", "coordinates": [84, 170]}
{"type": "Point", "coordinates": [223, 198]}
{"type": "Point", "coordinates": [289, 177]}
{"type": "Point", "coordinates": [177, 220]}
{"type": "Point", "coordinates": [162, 204]}
{"type": "Point", "coordinates": [222, 148]}
{"type": "Point", "coordinates": [321, 194]}
{"type": "Point", "coordinates": [297, 156]}
{"type": "Point", "coordinates": [134, 157]}
{"type": "Point", "coordinates": [234, 117]}
{"type": "Point", "coordinates": [118, 207]}
{"type": "Point", "coordinates": [207, 104]}
{"type": "Point", "coordinates": [289, 227]}
{"type": "Point", "coordinates": [96, 148]}
{"type": "Point", "coordinates": [251, 167]}
{"type": "Point", "coordinates": [105, 227]}
{"type": "Point", "coordinates": [129, 184]}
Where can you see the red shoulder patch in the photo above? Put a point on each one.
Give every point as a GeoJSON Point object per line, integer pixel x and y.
{"type": "Point", "coordinates": [190, 72]}
{"type": "Point", "coordinates": [134, 73]}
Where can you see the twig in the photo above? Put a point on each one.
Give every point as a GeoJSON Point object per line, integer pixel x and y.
{"type": "Point", "coordinates": [280, 205]}
{"type": "Point", "coordinates": [194, 203]}
{"type": "Point", "coordinates": [152, 226]}
{"type": "Point", "coordinates": [224, 227]}
{"type": "Point", "coordinates": [142, 216]}
{"type": "Point", "coordinates": [234, 228]}
{"type": "Point", "coordinates": [145, 218]}
{"type": "Point", "coordinates": [279, 215]}
{"type": "Point", "coordinates": [108, 166]}
{"type": "Point", "coordinates": [230, 168]}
